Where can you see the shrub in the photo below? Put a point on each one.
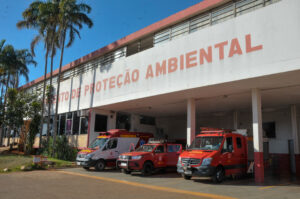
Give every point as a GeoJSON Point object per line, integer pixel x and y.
{"type": "Point", "coordinates": [63, 150]}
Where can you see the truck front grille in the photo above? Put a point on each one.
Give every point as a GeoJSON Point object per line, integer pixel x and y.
{"type": "Point", "coordinates": [190, 161]}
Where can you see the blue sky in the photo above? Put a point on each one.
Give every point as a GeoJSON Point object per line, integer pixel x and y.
{"type": "Point", "coordinates": [113, 19]}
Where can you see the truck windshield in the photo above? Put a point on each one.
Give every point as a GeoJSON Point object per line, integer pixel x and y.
{"type": "Point", "coordinates": [146, 148]}
{"type": "Point", "coordinates": [98, 143]}
{"type": "Point", "coordinates": [207, 143]}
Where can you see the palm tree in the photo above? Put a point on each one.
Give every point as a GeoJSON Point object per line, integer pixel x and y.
{"type": "Point", "coordinates": [37, 16]}
{"type": "Point", "coordinates": [72, 17]}
{"type": "Point", "coordinates": [14, 64]}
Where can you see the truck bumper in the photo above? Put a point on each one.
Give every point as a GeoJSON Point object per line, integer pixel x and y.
{"type": "Point", "coordinates": [201, 171]}
{"type": "Point", "coordinates": [128, 165]}
{"type": "Point", "coordinates": [86, 163]}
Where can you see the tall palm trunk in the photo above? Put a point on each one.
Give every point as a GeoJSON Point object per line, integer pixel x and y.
{"type": "Point", "coordinates": [1, 130]}
{"type": "Point", "coordinates": [57, 90]}
{"type": "Point", "coordinates": [43, 102]}
{"type": "Point", "coordinates": [50, 100]}
{"type": "Point", "coordinates": [4, 104]}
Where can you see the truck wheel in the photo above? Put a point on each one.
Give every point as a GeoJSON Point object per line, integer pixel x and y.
{"type": "Point", "coordinates": [86, 168]}
{"type": "Point", "coordinates": [100, 165]}
{"type": "Point", "coordinates": [126, 171]}
{"type": "Point", "coordinates": [147, 169]}
{"type": "Point", "coordinates": [219, 175]}
{"type": "Point", "coordinates": [186, 177]}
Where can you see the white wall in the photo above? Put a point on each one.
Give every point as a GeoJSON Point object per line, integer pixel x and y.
{"type": "Point", "coordinates": [279, 52]}
{"type": "Point", "coordinates": [111, 122]}
{"type": "Point", "coordinates": [176, 127]}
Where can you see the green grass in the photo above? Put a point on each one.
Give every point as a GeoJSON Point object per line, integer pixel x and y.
{"type": "Point", "coordinates": [14, 163]}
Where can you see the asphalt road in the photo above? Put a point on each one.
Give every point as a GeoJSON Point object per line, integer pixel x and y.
{"type": "Point", "coordinates": [57, 185]}
{"type": "Point", "coordinates": [111, 184]}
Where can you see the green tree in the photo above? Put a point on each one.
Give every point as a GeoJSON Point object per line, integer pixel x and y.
{"type": "Point", "coordinates": [41, 16]}
{"type": "Point", "coordinates": [15, 111]}
{"type": "Point", "coordinates": [72, 17]}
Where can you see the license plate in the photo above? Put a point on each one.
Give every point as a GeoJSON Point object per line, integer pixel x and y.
{"type": "Point", "coordinates": [78, 163]}
{"type": "Point", "coordinates": [123, 164]}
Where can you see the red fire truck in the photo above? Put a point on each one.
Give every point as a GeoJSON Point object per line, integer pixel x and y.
{"type": "Point", "coordinates": [215, 153]}
{"type": "Point", "coordinates": [151, 156]}
{"type": "Point", "coordinates": [105, 149]}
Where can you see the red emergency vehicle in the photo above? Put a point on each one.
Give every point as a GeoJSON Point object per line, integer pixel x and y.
{"type": "Point", "coordinates": [151, 156]}
{"type": "Point", "coordinates": [215, 153]}
{"type": "Point", "coordinates": [105, 149]}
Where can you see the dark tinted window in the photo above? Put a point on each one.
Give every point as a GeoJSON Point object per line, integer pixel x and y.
{"type": "Point", "coordinates": [269, 129]}
{"type": "Point", "coordinates": [76, 122]}
{"type": "Point", "coordinates": [238, 142]}
{"type": "Point", "coordinates": [228, 145]}
{"type": "Point", "coordinates": [160, 149]}
{"type": "Point", "coordinates": [100, 123]}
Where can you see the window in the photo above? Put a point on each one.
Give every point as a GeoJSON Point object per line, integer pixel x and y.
{"type": "Point", "coordinates": [112, 144]}
{"type": "Point", "coordinates": [173, 148]}
{"type": "Point", "coordinates": [147, 120]}
{"type": "Point", "coordinates": [228, 147]}
{"type": "Point", "coordinates": [269, 129]}
{"type": "Point", "coordinates": [160, 149]}
{"type": "Point", "coordinates": [62, 124]}
{"type": "Point", "coordinates": [84, 124]}
{"type": "Point", "coordinates": [100, 123]}
{"type": "Point", "coordinates": [123, 121]}
{"type": "Point", "coordinates": [69, 124]}
{"type": "Point", "coordinates": [238, 143]}
{"type": "Point", "coordinates": [76, 122]}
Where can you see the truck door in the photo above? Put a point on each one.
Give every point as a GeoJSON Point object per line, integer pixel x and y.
{"type": "Point", "coordinates": [226, 158]}
{"type": "Point", "coordinates": [110, 150]}
{"type": "Point", "coordinates": [160, 156]}
{"type": "Point", "coordinates": [240, 155]}
{"type": "Point", "coordinates": [173, 152]}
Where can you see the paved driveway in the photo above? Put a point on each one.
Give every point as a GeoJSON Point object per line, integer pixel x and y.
{"type": "Point", "coordinates": [78, 183]}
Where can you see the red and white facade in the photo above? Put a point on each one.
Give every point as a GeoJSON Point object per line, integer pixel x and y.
{"type": "Point", "coordinates": [241, 70]}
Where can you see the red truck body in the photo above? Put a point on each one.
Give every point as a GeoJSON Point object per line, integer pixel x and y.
{"type": "Point", "coordinates": [149, 157]}
{"type": "Point", "coordinates": [215, 153]}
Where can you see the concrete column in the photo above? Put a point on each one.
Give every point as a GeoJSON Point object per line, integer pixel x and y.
{"type": "Point", "coordinates": [235, 120]}
{"type": "Point", "coordinates": [257, 135]}
{"type": "Point", "coordinates": [295, 133]}
{"type": "Point", "coordinates": [191, 121]}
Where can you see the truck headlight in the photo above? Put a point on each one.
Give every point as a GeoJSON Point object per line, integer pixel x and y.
{"type": "Point", "coordinates": [89, 156]}
{"type": "Point", "coordinates": [136, 157]}
{"type": "Point", "coordinates": [206, 161]}
{"type": "Point", "coordinates": [179, 159]}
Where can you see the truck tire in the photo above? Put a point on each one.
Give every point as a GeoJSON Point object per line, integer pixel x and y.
{"type": "Point", "coordinates": [219, 175]}
{"type": "Point", "coordinates": [100, 165]}
{"type": "Point", "coordinates": [126, 171]}
{"type": "Point", "coordinates": [186, 177]}
{"type": "Point", "coordinates": [147, 169]}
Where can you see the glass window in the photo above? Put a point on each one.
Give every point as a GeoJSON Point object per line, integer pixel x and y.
{"type": "Point", "coordinates": [239, 143]}
{"type": "Point", "coordinates": [76, 121]}
{"type": "Point", "coordinates": [84, 125]}
{"type": "Point", "coordinates": [146, 148]}
{"type": "Point", "coordinates": [173, 148]}
{"type": "Point", "coordinates": [123, 121]}
{"type": "Point", "coordinates": [160, 149]}
{"type": "Point", "coordinates": [147, 120]}
{"type": "Point", "coordinates": [269, 129]}
{"type": "Point", "coordinates": [228, 147]}
{"type": "Point", "coordinates": [111, 144]}
{"type": "Point", "coordinates": [100, 123]}
{"type": "Point", "coordinates": [207, 143]}
{"type": "Point", "coordinates": [62, 124]}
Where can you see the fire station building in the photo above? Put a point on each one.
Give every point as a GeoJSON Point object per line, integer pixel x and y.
{"type": "Point", "coordinates": [220, 63]}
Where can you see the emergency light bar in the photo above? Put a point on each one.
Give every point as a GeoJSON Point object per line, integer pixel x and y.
{"type": "Point", "coordinates": [156, 141]}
